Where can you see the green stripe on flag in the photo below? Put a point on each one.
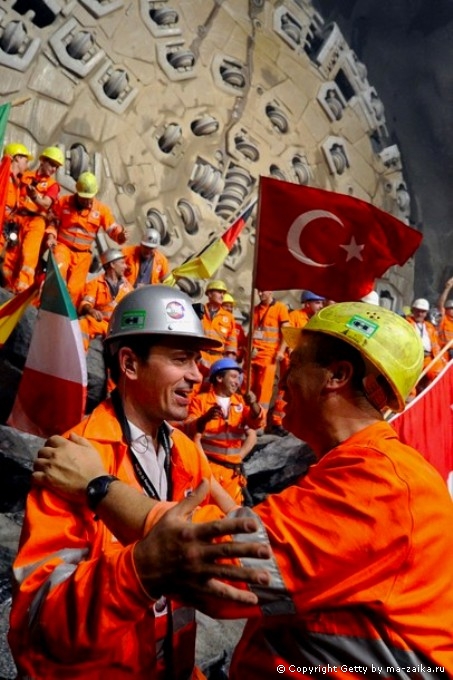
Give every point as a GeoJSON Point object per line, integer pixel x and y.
{"type": "Point", "coordinates": [4, 115]}
{"type": "Point", "coordinates": [55, 296]}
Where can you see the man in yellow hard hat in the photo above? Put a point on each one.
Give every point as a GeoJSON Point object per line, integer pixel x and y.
{"type": "Point", "coordinates": [361, 545]}
{"type": "Point", "coordinates": [14, 162]}
{"type": "Point", "coordinates": [218, 323]}
{"type": "Point", "coordinates": [229, 304]}
{"type": "Point", "coordinates": [39, 190]}
{"type": "Point", "coordinates": [76, 219]}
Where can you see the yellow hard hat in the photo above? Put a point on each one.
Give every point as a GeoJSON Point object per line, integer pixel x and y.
{"type": "Point", "coordinates": [389, 344]}
{"type": "Point", "coordinates": [17, 149]}
{"type": "Point", "coordinates": [54, 154]}
{"type": "Point", "coordinates": [229, 298]}
{"type": "Point", "coordinates": [216, 285]}
{"type": "Point", "coordinates": [87, 185]}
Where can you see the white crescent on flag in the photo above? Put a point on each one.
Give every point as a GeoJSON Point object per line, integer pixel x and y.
{"type": "Point", "coordinates": [295, 232]}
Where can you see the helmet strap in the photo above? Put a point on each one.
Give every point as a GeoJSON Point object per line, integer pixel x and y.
{"type": "Point", "coordinates": [374, 392]}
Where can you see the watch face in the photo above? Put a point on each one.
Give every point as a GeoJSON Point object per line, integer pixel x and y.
{"type": "Point", "coordinates": [97, 489]}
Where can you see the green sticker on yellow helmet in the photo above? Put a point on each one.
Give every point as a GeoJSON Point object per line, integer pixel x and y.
{"type": "Point", "coordinates": [134, 319]}
{"type": "Point", "coordinates": [361, 325]}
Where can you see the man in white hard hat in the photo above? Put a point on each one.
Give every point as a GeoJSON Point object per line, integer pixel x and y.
{"type": "Point", "coordinates": [87, 605]}
{"type": "Point", "coordinates": [145, 263]}
{"type": "Point", "coordinates": [430, 339]}
{"type": "Point", "coordinates": [75, 221]}
{"type": "Point", "coordinates": [361, 545]}
{"type": "Point", "coordinates": [102, 294]}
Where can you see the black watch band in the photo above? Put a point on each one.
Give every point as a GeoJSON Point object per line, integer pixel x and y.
{"type": "Point", "coordinates": [97, 489]}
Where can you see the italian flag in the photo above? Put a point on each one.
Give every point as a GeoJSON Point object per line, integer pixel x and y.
{"type": "Point", "coordinates": [52, 392]}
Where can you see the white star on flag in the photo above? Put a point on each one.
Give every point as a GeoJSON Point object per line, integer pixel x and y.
{"type": "Point", "coordinates": [353, 249]}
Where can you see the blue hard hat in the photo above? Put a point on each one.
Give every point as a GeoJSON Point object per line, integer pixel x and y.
{"type": "Point", "coordinates": [226, 364]}
{"type": "Point", "coordinates": [308, 296]}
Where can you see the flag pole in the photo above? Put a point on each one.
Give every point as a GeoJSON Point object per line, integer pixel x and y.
{"type": "Point", "coordinates": [248, 371]}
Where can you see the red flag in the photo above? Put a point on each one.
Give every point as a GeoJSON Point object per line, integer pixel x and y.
{"type": "Point", "coordinates": [427, 424]}
{"type": "Point", "coordinates": [331, 243]}
{"type": "Point", "coordinates": [5, 171]}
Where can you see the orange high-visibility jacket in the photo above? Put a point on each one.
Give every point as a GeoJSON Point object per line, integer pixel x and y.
{"type": "Point", "coordinates": [445, 330]}
{"type": "Point", "coordinates": [361, 568]}
{"type": "Point", "coordinates": [98, 293]}
{"type": "Point", "coordinates": [267, 322]}
{"type": "Point", "coordinates": [159, 270]}
{"type": "Point", "coordinates": [298, 318]}
{"type": "Point", "coordinates": [79, 611]}
{"type": "Point", "coordinates": [222, 437]}
{"type": "Point", "coordinates": [221, 327]}
{"type": "Point", "coordinates": [77, 228]}
{"type": "Point", "coordinates": [46, 186]}
{"type": "Point", "coordinates": [432, 334]}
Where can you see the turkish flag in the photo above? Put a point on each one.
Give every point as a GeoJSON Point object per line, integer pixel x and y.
{"type": "Point", "coordinates": [332, 244]}
{"type": "Point", "coordinates": [427, 424]}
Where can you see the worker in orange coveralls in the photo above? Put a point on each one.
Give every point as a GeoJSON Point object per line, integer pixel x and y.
{"type": "Point", "coordinates": [241, 338]}
{"type": "Point", "coordinates": [15, 157]}
{"type": "Point", "coordinates": [145, 262]}
{"type": "Point", "coordinates": [361, 545]}
{"type": "Point", "coordinates": [430, 340]}
{"type": "Point", "coordinates": [298, 318]}
{"type": "Point", "coordinates": [268, 350]}
{"type": "Point", "coordinates": [39, 190]}
{"type": "Point", "coordinates": [224, 423]}
{"type": "Point", "coordinates": [87, 603]}
{"type": "Point", "coordinates": [445, 329]}
{"type": "Point", "coordinates": [101, 295]}
{"type": "Point", "coordinates": [76, 219]}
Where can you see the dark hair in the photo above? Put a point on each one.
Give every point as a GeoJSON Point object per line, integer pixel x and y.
{"type": "Point", "coordinates": [141, 346]}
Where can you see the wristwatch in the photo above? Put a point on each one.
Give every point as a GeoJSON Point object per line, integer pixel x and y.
{"type": "Point", "coordinates": [97, 489]}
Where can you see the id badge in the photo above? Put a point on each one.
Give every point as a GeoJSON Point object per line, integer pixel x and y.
{"type": "Point", "coordinates": [258, 334]}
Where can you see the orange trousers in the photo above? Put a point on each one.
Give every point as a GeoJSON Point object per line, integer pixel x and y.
{"type": "Point", "coordinates": [74, 266]}
{"type": "Point", "coordinates": [90, 327]}
{"type": "Point", "coordinates": [30, 248]}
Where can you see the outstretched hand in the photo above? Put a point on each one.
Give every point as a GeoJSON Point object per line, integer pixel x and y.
{"type": "Point", "coordinates": [184, 559]}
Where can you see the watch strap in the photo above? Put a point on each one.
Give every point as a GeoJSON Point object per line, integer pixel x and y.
{"type": "Point", "coordinates": [97, 489]}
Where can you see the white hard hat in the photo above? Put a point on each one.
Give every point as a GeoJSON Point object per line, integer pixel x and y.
{"type": "Point", "coordinates": [372, 298]}
{"type": "Point", "coordinates": [151, 239]}
{"type": "Point", "coordinates": [421, 303]}
{"type": "Point", "coordinates": [110, 255]}
{"type": "Point", "coordinates": [158, 310]}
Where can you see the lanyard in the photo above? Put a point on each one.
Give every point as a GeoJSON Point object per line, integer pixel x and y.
{"type": "Point", "coordinates": [163, 438]}
{"type": "Point", "coordinates": [261, 319]}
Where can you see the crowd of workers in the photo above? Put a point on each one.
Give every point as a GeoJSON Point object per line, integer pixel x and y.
{"type": "Point", "coordinates": [109, 567]}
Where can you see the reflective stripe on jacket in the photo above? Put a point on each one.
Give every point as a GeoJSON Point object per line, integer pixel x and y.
{"type": "Point", "coordinates": [363, 547]}
{"type": "Point", "coordinates": [79, 611]}
{"type": "Point", "coordinates": [222, 436]}
{"type": "Point", "coordinates": [77, 227]}
{"type": "Point", "coordinates": [267, 322]}
{"type": "Point", "coordinates": [219, 327]}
